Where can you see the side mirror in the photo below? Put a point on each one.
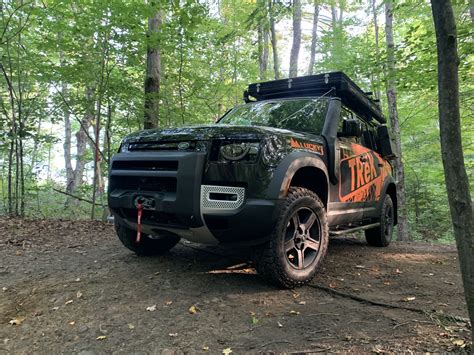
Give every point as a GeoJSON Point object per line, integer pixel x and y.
{"type": "Point", "coordinates": [384, 143]}
{"type": "Point", "coordinates": [351, 128]}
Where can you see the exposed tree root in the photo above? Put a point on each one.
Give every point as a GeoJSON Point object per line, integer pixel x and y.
{"type": "Point", "coordinates": [430, 313]}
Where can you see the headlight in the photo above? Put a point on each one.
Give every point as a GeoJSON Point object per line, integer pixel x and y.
{"type": "Point", "coordinates": [240, 151]}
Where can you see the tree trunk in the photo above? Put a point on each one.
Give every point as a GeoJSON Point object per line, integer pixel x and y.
{"type": "Point", "coordinates": [377, 50]}
{"type": "Point", "coordinates": [82, 139]}
{"type": "Point", "coordinates": [276, 63]}
{"type": "Point", "coordinates": [457, 183]}
{"type": "Point", "coordinates": [295, 48]}
{"type": "Point", "coordinates": [262, 30]}
{"type": "Point", "coordinates": [67, 135]}
{"type": "Point", "coordinates": [393, 113]}
{"type": "Point", "coordinates": [262, 51]}
{"type": "Point", "coordinates": [314, 38]}
{"type": "Point", "coordinates": [153, 72]}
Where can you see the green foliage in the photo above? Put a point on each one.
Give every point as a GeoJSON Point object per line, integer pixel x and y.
{"type": "Point", "coordinates": [57, 51]}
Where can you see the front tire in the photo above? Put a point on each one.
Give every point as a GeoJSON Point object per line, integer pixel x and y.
{"type": "Point", "coordinates": [381, 236]}
{"type": "Point", "coordinates": [147, 246]}
{"type": "Point", "coordinates": [299, 241]}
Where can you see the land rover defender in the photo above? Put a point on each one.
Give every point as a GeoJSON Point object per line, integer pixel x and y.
{"type": "Point", "coordinates": [302, 159]}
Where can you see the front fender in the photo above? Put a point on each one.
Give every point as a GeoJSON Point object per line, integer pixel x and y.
{"type": "Point", "coordinates": [287, 168]}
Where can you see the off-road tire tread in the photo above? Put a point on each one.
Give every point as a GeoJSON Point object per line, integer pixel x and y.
{"type": "Point", "coordinates": [267, 265]}
{"type": "Point", "coordinates": [375, 236]}
{"type": "Point", "coordinates": [146, 246]}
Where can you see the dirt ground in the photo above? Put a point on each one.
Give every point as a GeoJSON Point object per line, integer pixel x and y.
{"type": "Point", "coordinates": [70, 287]}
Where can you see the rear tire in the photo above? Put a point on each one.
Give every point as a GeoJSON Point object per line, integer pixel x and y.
{"type": "Point", "coordinates": [381, 236]}
{"type": "Point", "coordinates": [147, 246]}
{"type": "Point", "coordinates": [299, 241]}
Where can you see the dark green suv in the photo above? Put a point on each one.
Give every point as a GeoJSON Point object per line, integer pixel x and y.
{"type": "Point", "coordinates": [302, 159]}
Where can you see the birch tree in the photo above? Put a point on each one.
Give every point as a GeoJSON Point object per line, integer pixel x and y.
{"type": "Point", "coordinates": [394, 122]}
{"type": "Point", "coordinates": [295, 47]}
{"type": "Point", "coordinates": [153, 70]}
{"type": "Point", "coordinates": [314, 38]}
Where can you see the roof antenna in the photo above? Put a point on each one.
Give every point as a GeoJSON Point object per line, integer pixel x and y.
{"type": "Point", "coordinates": [326, 79]}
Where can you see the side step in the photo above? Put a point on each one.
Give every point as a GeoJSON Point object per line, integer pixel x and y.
{"type": "Point", "coordinates": [355, 229]}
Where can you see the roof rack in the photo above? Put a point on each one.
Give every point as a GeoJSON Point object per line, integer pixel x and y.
{"type": "Point", "coordinates": [334, 84]}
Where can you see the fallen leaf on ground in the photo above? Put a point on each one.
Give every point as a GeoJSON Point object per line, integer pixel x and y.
{"type": "Point", "coordinates": [193, 309]}
{"type": "Point", "coordinates": [173, 335]}
{"type": "Point", "coordinates": [280, 325]}
{"type": "Point", "coordinates": [295, 313]}
{"type": "Point", "coordinates": [360, 267]}
{"type": "Point", "coordinates": [459, 342]}
{"type": "Point", "coordinates": [55, 308]}
{"type": "Point", "coordinates": [377, 349]}
{"type": "Point", "coordinates": [302, 303]}
{"type": "Point", "coordinates": [68, 302]}
{"type": "Point", "coordinates": [131, 326]}
{"type": "Point", "coordinates": [101, 337]}
{"type": "Point", "coordinates": [79, 294]}
{"type": "Point", "coordinates": [398, 271]}
{"type": "Point", "coordinates": [408, 299]}
{"type": "Point", "coordinates": [72, 323]}
{"type": "Point", "coordinates": [17, 320]}
{"type": "Point", "coordinates": [205, 348]}
{"type": "Point", "coordinates": [151, 308]}
{"type": "Point", "coordinates": [169, 303]}
{"type": "Point", "coordinates": [78, 279]}
{"type": "Point", "coordinates": [254, 320]}
{"type": "Point", "coordinates": [227, 351]}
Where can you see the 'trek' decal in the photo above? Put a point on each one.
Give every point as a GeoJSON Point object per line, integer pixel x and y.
{"type": "Point", "coordinates": [317, 148]}
{"type": "Point", "coordinates": [364, 175]}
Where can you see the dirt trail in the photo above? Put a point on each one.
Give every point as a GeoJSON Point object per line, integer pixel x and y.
{"type": "Point", "coordinates": [74, 288]}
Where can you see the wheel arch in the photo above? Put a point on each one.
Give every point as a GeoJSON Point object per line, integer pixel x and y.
{"type": "Point", "coordinates": [304, 170]}
{"type": "Point", "coordinates": [391, 190]}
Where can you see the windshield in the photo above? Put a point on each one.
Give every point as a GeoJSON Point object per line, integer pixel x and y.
{"type": "Point", "coordinates": [306, 115]}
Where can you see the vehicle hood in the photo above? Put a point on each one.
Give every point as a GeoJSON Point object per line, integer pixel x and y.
{"type": "Point", "coordinates": [206, 132]}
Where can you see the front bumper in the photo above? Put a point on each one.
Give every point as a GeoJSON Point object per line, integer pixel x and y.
{"type": "Point", "coordinates": [171, 182]}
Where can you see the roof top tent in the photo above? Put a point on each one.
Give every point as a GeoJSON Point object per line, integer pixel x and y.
{"type": "Point", "coordinates": [334, 84]}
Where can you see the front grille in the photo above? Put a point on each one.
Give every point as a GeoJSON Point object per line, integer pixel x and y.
{"type": "Point", "coordinates": [144, 146]}
{"type": "Point", "coordinates": [157, 165]}
{"type": "Point", "coordinates": [138, 183]}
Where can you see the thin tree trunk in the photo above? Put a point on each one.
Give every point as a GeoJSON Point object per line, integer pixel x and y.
{"type": "Point", "coordinates": [314, 38]}
{"type": "Point", "coordinates": [153, 72]}
{"type": "Point", "coordinates": [377, 50]}
{"type": "Point", "coordinates": [262, 30]}
{"type": "Point", "coordinates": [67, 135]}
{"type": "Point", "coordinates": [457, 183]}
{"type": "Point", "coordinates": [82, 139]}
{"type": "Point", "coordinates": [276, 63]}
{"type": "Point", "coordinates": [13, 134]}
{"type": "Point", "coordinates": [393, 113]}
{"type": "Point", "coordinates": [265, 52]}
{"type": "Point", "coordinates": [295, 47]}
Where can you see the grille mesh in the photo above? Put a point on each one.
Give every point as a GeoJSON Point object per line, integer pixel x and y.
{"type": "Point", "coordinates": [223, 205]}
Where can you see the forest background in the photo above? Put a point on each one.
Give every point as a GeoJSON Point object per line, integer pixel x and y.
{"type": "Point", "coordinates": [72, 80]}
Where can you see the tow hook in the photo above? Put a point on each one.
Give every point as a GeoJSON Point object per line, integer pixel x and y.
{"type": "Point", "coordinates": [139, 222]}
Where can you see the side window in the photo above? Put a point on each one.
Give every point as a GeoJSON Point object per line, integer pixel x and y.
{"type": "Point", "coordinates": [350, 126]}
{"type": "Point", "coordinates": [369, 137]}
